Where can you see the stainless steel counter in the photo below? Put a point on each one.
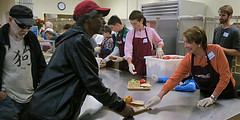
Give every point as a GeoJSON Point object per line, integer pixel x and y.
{"type": "Point", "coordinates": [174, 106]}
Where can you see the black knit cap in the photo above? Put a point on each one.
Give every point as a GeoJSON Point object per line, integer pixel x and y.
{"type": "Point", "coordinates": [22, 13]}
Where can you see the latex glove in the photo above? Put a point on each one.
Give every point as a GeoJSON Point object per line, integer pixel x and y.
{"type": "Point", "coordinates": [97, 49]}
{"type": "Point", "coordinates": [103, 63]}
{"type": "Point", "coordinates": [153, 101]}
{"type": "Point", "coordinates": [119, 59]}
{"type": "Point", "coordinates": [205, 102]}
{"type": "Point", "coordinates": [154, 77]}
{"type": "Point", "coordinates": [159, 53]}
{"type": "Point", "coordinates": [132, 68]}
{"type": "Point", "coordinates": [3, 95]}
{"type": "Point", "coordinates": [127, 111]}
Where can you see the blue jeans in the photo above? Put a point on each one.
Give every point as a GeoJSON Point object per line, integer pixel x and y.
{"type": "Point", "coordinates": [11, 110]}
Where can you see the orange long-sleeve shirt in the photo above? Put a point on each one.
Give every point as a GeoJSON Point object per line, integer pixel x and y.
{"type": "Point", "coordinates": [219, 63]}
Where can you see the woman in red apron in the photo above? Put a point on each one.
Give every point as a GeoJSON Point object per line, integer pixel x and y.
{"type": "Point", "coordinates": [139, 43]}
{"type": "Point", "coordinates": [141, 47]}
{"type": "Point", "coordinates": [208, 66]}
{"type": "Point", "coordinates": [207, 85]}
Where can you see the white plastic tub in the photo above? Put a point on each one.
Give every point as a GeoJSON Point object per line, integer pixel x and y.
{"type": "Point", "coordinates": [161, 67]}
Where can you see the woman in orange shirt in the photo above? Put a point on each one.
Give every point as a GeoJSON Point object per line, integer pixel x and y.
{"type": "Point", "coordinates": [209, 68]}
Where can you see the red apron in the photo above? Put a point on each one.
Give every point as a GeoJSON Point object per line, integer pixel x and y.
{"type": "Point", "coordinates": [122, 65]}
{"type": "Point", "coordinates": [141, 47]}
{"type": "Point", "coordinates": [207, 79]}
{"type": "Point", "coordinates": [103, 55]}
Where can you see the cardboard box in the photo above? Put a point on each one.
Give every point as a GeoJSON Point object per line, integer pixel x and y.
{"type": "Point", "coordinates": [161, 67]}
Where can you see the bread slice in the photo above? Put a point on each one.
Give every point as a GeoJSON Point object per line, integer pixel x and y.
{"type": "Point", "coordinates": [145, 85]}
{"type": "Point", "coordinates": [112, 58]}
{"type": "Point", "coordinates": [137, 102]}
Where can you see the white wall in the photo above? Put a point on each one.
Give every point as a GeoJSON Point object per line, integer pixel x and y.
{"type": "Point", "coordinates": [118, 7]}
{"type": "Point", "coordinates": [40, 7]}
{"type": "Point", "coordinates": [212, 6]}
{"type": "Point", "coordinates": [4, 10]}
{"type": "Point", "coordinates": [122, 8]}
{"type": "Point", "coordinates": [50, 6]}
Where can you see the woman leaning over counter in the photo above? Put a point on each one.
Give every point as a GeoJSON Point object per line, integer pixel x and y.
{"type": "Point", "coordinates": [207, 64]}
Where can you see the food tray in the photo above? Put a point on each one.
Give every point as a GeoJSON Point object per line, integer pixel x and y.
{"type": "Point", "coordinates": [138, 108]}
{"type": "Point", "coordinates": [137, 87]}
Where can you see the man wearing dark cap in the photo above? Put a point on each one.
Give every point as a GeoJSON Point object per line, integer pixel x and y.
{"type": "Point", "coordinates": [21, 63]}
{"type": "Point", "coordinates": [72, 72]}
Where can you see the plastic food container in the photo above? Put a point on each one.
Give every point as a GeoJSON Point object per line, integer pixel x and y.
{"type": "Point", "coordinates": [161, 67]}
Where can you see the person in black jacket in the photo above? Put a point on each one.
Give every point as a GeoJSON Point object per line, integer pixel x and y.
{"type": "Point", "coordinates": [72, 72]}
{"type": "Point", "coordinates": [21, 63]}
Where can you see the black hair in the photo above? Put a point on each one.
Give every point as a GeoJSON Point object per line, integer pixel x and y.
{"type": "Point", "coordinates": [144, 21]}
{"type": "Point", "coordinates": [81, 19]}
{"type": "Point", "coordinates": [113, 20]}
{"type": "Point", "coordinates": [67, 26]}
{"type": "Point", "coordinates": [136, 15]}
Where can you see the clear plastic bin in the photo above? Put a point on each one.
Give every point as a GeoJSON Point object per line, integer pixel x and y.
{"type": "Point", "coordinates": [161, 67]}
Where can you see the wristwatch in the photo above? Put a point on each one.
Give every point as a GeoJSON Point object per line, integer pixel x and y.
{"type": "Point", "coordinates": [213, 97]}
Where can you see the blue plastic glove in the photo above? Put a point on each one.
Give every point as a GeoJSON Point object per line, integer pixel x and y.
{"type": "Point", "coordinates": [159, 80]}
{"type": "Point", "coordinates": [189, 87]}
{"type": "Point", "coordinates": [182, 87]}
{"type": "Point", "coordinates": [163, 79]}
{"type": "Point", "coordinates": [192, 80]}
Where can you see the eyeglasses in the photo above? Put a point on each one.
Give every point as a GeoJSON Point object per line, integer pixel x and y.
{"type": "Point", "coordinates": [23, 26]}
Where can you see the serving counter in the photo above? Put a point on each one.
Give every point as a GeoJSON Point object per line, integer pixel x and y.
{"type": "Point", "coordinates": [174, 106]}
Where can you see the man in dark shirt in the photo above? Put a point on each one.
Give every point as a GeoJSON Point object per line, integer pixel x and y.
{"type": "Point", "coordinates": [116, 25]}
{"type": "Point", "coordinates": [227, 34]}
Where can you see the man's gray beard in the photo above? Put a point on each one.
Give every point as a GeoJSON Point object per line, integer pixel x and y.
{"type": "Point", "coordinates": [20, 37]}
{"type": "Point", "coordinates": [17, 34]}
